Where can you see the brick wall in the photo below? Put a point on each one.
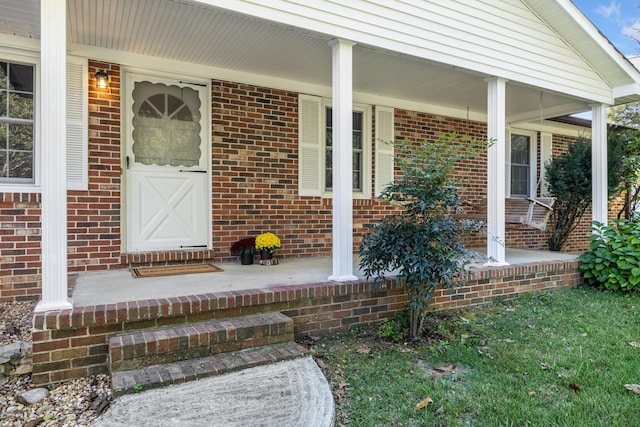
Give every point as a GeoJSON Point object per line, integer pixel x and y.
{"type": "Point", "coordinates": [20, 265]}
{"type": "Point", "coordinates": [74, 343]}
{"type": "Point", "coordinates": [254, 187]}
{"type": "Point", "coordinates": [94, 215]}
{"type": "Point", "coordinates": [255, 176]}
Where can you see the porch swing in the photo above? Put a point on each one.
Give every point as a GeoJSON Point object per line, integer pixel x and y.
{"type": "Point", "coordinates": [533, 212]}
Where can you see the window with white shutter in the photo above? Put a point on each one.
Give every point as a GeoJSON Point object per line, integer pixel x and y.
{"type": "Point", "coordinates": [315, 148]}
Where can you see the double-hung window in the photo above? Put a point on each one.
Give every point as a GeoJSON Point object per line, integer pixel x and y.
{"type": "Point", "coordinates": [357, 141]}
{"type": "Point", "coordinates": [521, 165]}
{"type": "Point", "coordinates": [19, 115]}
{"type": "Point", "coordinates": [316, 145]}
{"type": "Point", "coordinates": [17, 112]}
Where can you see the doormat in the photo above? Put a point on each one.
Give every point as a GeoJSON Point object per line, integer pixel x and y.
{"type": "Point", "coordinates": [172, 270]}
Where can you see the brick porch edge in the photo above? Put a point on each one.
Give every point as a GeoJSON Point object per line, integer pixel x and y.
{"type": "Point", "coordinates": [74, 343]}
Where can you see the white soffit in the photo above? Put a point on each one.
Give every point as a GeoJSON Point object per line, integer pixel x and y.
{"type": "Point", "coordinates": [195, 33]}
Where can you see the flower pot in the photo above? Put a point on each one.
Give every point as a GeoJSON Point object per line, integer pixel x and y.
{"type": "Point", "coordinates": [264, 254]}
{"type": "Point", "coordinates": [246, 258]}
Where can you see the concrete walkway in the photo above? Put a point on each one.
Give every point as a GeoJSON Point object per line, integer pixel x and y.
{"type": "Point", "coordinates": [285, 394]}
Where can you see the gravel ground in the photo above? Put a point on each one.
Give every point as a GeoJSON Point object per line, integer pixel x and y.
{"type": "Point", "coordinates": [73, 403]}
{"type": "Point", "coordinates": [15, 321]}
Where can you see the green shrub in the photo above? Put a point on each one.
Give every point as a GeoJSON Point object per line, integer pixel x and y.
{"type": "Point", "coordinates": [395, 329]}
{"type": "Point", "coordinates": [421, 244]}
{"type": "Point", "coordinates": [613, 259]}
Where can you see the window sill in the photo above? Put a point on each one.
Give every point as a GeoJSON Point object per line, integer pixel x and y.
{"type": "Point", "coordinates": [20, 188]}
{"type": "Point", "coordinates": [355, 196]}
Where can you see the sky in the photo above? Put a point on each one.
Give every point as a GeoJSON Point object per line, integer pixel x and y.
{"type": "Point", "coordinates": [619, 20]}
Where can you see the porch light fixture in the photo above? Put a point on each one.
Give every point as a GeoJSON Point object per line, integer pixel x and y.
{"type": "Point", "coordinates": [102, 79]}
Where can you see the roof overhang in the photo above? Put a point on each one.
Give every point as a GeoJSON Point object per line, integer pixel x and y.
{"type": "Point", "coordinates": [207, 39]}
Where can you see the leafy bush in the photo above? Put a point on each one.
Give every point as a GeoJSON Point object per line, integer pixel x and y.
{"type": "Point", "coordinates": [395, 329]}
{"type": "Point", "coordinates": [613, 259]}
{"type": "Point", "coordinates": [423, 245]}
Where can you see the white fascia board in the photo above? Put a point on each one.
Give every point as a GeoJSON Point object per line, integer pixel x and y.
{"type": "Point", "coordinates": [627, 93]}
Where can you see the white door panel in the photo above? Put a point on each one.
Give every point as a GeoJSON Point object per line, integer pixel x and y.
{"type": "Point", "coordinates": [167, 214]}
{"type": "Point", "coordinates": [167, 165]}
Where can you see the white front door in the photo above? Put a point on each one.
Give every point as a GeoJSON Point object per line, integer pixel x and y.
{"type": "Point", "coordinates": [166, 165]}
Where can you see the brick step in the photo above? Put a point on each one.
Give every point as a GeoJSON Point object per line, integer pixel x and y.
{"type": "Point", "coordinates": [187, 341]}
{"type": "Point", "coordinates": [154, 376]}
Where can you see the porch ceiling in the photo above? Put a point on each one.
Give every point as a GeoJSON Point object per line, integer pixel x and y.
{"type": "Point", "coordinates": [195, 33]}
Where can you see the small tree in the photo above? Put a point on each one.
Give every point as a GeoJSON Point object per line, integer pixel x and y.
{"type": "Point", "coordinates": [569, 178]}
{"type": "Point", "coordinates": [423, 245]}
{"type": "Point", "coordinates": [569, 181]}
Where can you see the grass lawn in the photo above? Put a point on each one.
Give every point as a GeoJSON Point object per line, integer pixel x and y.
{"type": "Point", "coordinates": [552, 359]}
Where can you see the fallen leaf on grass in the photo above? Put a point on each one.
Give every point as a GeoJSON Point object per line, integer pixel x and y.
{"type": "Point", "coordinates": [449, 368]}
{"type": "Point", "coordinates": [440, 410]}
{"type": "Point", "coordinates": [574, 387]}
{"type": "Point", "coordinates": [633, 387]}
{"type": "Point", "coordinates": [465, 320]}
{"type": "Point", "coordinates": [423, 403]}
{"type": "Point", "coordinates": [634, 344]}
{"type": "Point", "coordinates": [364, 350]}
{"type": "Point", "coordinates": [545, 367]}
{"type": "Point", "coordinates": [508, 341]}
{"type": "Point", "coordinates": [343, 384]}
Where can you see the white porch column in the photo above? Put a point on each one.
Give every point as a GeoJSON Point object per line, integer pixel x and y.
{"type": "Point", "coordinates": [496, 125]}
{"type": "Point", "coordinates": [599, 163]}
{"type": "Point", "coordinates": [342, 161]}
{"type": "Point", "coordinates": [53, 123]}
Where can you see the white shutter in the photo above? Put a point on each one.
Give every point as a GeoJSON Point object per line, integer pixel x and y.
{"type": "Point", "coordinates": [545, 155]}
{"type": "Point", "coordinates": [309, 145]}
{"type": "Point", "coordinates": [77, 123]}
{"type": "Point", "coordinates": [384, 150]}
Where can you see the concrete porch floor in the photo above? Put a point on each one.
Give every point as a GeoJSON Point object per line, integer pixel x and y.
{"type": "Point", "coordinates": [113, 286]}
